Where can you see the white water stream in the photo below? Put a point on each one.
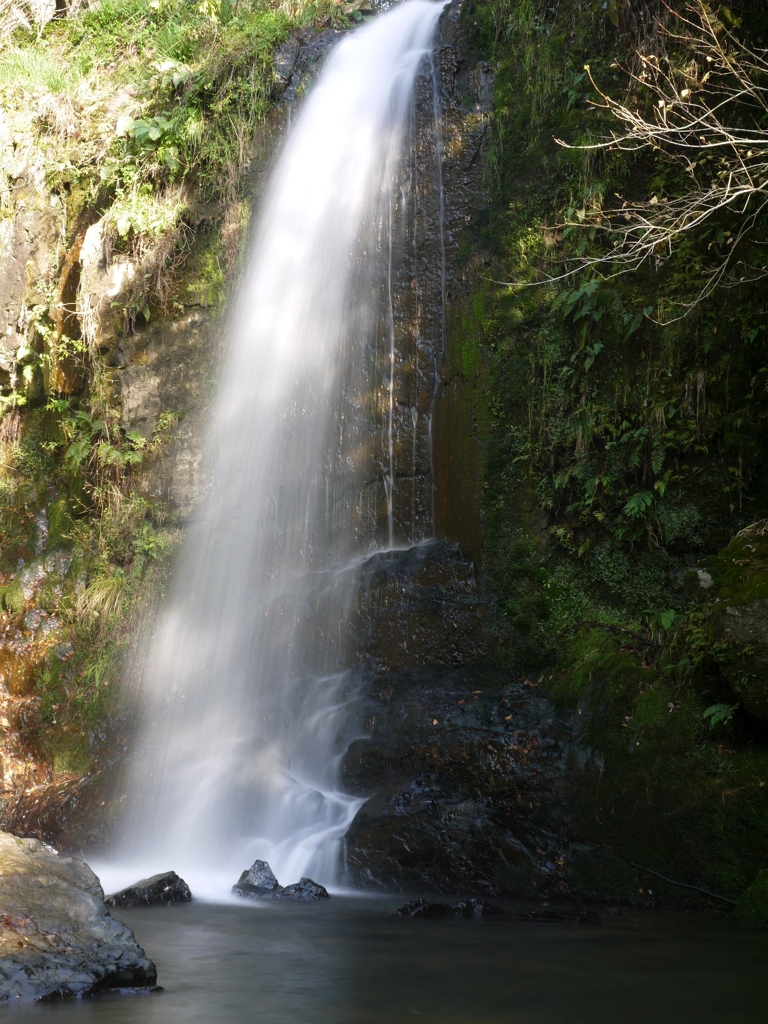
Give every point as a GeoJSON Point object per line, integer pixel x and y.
{"type": "Point", "coordinates": [247, 684]}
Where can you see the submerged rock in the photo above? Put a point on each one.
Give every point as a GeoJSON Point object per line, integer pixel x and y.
{"type": "Point", "coordinates": [165, 889]}
{"type": "Point", "coordinates": [57, 938]}
{"type": "Point", "coordinates": [546, 916]}
{"type": "Point", "coordinates": [421, 908]}
{"type": "Point", "coordinates": [463, 908]}
{"type": "Point", "coordinates": [259, 882]}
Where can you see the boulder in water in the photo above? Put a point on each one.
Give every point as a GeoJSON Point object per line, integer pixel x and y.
{"type": "Point", "coordinates": [259, 882]}
{"type": "Point", "coordinates": [57, 938]}
{"type": "Point", "coordinates": [165, 889]}
{"type": "Point", "coordinates": [305, 889]}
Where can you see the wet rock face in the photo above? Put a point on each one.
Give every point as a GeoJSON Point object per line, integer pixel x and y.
{"type": "Point", "coordinates": [420, 607]}
{"type": "Point", "coordinates": [297, 62]}
{"type": "Point", "coordinates": [163, 890]}
{"type": "Point", "coordinates": [57, 938]}
{"type": "Point", "coordinates": [466, 779]}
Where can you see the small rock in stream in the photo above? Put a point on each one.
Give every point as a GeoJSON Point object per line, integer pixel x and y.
{"type": "Point", "coordinates": [560, 917]}
{"type": "Point", "coordinates": [259, 882]}
{"type": "Point", "coordinates": [464, 908]}
{"type": "Point", "coordinates": [165, 889]}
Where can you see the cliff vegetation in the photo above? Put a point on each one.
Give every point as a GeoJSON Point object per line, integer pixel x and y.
{"type": "Point", "coordinates": [614, 336]}
{"type": "Point", "coordinates": [130, 136]}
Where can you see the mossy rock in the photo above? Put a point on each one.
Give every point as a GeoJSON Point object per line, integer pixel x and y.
{"type": "Point", "coordinates": [740, 571]}
{"type": "Point", "coordinates": [753, 905]}
{"type": "Point", "coordinates": [13, 599]}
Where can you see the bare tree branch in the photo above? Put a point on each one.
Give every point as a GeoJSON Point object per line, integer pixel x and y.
{"type": "Point", "coordinates": [706, 108]}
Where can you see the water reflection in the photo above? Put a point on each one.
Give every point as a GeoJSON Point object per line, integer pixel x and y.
{"type": "Point", "coordinates": [349, 962]}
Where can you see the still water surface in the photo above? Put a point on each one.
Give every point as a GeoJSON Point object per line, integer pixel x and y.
{"type": "Point", "coordinates": [348, 961]}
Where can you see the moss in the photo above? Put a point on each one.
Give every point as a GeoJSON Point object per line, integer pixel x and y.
{"type": "Point", "coordinates": [71, 755]}
{"type": "Point", "coordinates": [753, 905]}
{"type": "Point", "coordinates": [61, 515]}
{"type": "Point", "coordinates": [740, 571]}
{"type": "Point", "coordinates": [34, 452]}
{"type": "Point", "coordinates": [13, 599]}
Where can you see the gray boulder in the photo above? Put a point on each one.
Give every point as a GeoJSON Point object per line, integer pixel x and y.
{"type": "Point", "coordinates": [57, 938]}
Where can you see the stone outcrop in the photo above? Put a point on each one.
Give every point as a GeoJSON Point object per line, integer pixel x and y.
{"type": "Point", "coordinates": [57, 938]}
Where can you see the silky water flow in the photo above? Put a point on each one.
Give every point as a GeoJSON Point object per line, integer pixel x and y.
{"type": "Point", "coordinates": [247, 687]}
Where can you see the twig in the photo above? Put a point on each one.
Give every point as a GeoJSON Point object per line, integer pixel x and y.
{"type": "Point", "coordinates": [682, 885]}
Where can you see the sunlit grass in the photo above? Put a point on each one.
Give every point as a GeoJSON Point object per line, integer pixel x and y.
{"type": "Point", "coordinates": [36, 71]}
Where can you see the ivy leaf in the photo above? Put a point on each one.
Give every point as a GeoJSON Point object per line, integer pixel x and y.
{"type": "Point", "coordinates": [667, 618]}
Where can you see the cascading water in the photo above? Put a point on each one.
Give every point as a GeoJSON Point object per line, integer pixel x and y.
{"type": "Point", "coordinates": [249, 679]}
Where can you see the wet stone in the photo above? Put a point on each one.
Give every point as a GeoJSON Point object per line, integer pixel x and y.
{"type": "Point", "coordinates": [165, 889]}
{"type": "Point", "coordinates": [578, 916]}
{"type": "Point", "coordinates": [304, 889]}
{"type": "Point", "coordinates": [57, 938]}
{"type": "Point", "coordinates": [259, 882]}
{"type": "Point", "coordinates": [436, 910]}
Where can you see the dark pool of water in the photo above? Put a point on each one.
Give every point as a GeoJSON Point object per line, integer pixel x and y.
{"type": "Point", "coordinates": [348, 961]}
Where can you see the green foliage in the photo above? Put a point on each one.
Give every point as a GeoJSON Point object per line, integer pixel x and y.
{"type": "Point", "coordinates": [720, 714]}
{"type": "Point", "coordinates": [618, 454]}
{"type": "Point", "coordinates": [33, 70]}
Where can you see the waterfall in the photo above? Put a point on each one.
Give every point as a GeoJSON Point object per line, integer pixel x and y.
{"type": "Point", "coordinates": [248, 683]}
